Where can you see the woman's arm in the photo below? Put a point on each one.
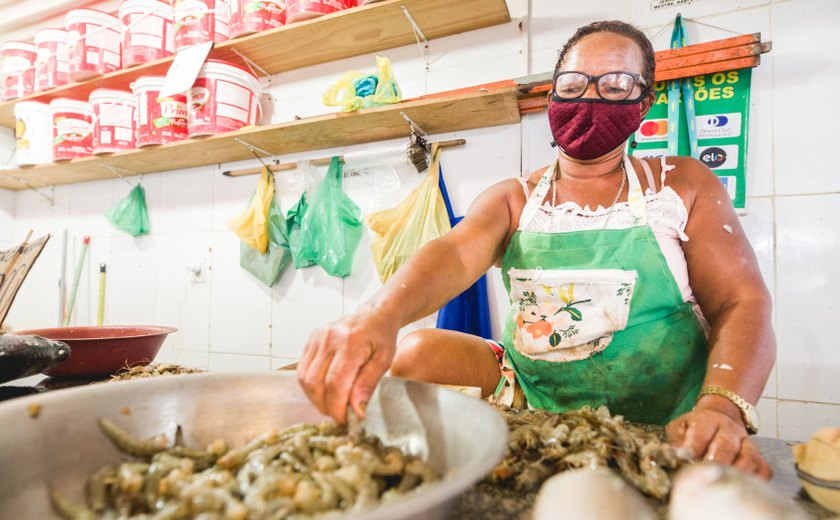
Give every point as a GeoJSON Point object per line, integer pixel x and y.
{"type": "Point", "coordinates": [344, 361]}
{"type": "Point", "coordinates": [726, 280]}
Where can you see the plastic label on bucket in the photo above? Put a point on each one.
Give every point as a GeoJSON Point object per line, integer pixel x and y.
{"type": "Point", "coordinates": [194, 22]}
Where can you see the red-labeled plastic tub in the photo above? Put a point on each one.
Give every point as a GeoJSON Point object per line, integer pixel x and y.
{"type": "Point", "coordinates": [149, 32]}
{"type": "Point", "coordinates": [94, 41]}
{"type": "Point", "coordinates": [114, 120]}
{"type": "Point", "coordinates": [223, 98]}
{"type": "Point", "coordinates": [222, 23]}
{"type": "Point", "coordinates": [72, 122]}
{"type": "Point", "coordinates": [194, 22]}
{"type": "Point", "coordinates": [18, 71]}
{"type": "Point", "coordinates": [298, 10]}
{"type": "Point", "coordinates": [251, 16]}
{"type": "Point", "coordinates": [161, 120]}
{"type": "Point", "coordinates": [52, 69]}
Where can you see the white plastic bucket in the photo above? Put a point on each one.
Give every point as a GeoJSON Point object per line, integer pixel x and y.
{"type": "Point", "coordinates": [95, 42]}
{"type": "Point", "coordinates": [298, 10]}
{"type": "Point", "coordinates": [18, 71]}
{"type": "Point", "coordinates": [114, 120]}
{"type": "Point", "coordinates": [149, 32]}
{"type": "Point", "coordinates": [52, 68]}
{"type": "Point", "coordinates": [161, 120]}
{"type": "Point", "coordinates": [72, 128]}
{"type": "Point", "coordinates": [251, 16]}
{"type": "Point", "coordinates": [33, 133]}
{"type": "Point", "coordinates": [223, 98]}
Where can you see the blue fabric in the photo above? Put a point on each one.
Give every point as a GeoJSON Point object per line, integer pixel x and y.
{"type": "Point", "coordinates": [469, 311]}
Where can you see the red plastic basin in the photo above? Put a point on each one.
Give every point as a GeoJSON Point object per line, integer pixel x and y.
{"type": "Point", "coordinates": [103, 350]}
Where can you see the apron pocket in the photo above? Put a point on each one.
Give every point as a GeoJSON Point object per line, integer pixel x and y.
{"type": "Point", "coordinates": [568, 315]}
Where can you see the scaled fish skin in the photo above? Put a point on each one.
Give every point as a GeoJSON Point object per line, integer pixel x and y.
{"type": "Point", "coordinates": [705, 490]}
{"type": "Point", "coordinates": [22, 356]}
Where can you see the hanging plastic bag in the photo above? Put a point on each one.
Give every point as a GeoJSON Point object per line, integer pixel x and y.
{"type": "Point", "coordinates": [402, 230]}
{"type": "Point", "coordinates": [331, 226]}
{"type": "Point", "coordinates": [130, 214]}
{"type": "Point", "coordinates": [468, 312]}
{"type": "Point", "coordinates": [355, 90]}
{"type": "Point", "coordinates": [251, 226]}
{"type": "Point", "coordinates": [266, 267]}
{"type": "Point", "coordinates": [294, 219]}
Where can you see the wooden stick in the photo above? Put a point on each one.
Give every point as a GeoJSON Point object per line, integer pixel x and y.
{"type": "Point", "coordinates": [318, 162]}
{"type": "Point", "coordinates": [699, 48]}
{"type": "Point", "coordinates": [731, 53]}
{"type": "Point", "coordinates": [11, 267]}
{"type": "Point", "coordinates": [709, 68]}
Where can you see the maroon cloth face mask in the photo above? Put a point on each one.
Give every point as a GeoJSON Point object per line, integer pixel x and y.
{"type": "Point", "coordinates": [588, 128]}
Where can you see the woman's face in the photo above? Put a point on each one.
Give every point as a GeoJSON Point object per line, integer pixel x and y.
{"type": "Point", "coordinates": [603, 52]}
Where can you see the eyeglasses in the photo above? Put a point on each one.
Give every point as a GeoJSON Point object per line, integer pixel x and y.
{"type": "Point", "coordinates": [611, 86]}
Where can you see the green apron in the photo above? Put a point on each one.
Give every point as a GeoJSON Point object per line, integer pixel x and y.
{"type": "Point", "coordinates": [567, 339]}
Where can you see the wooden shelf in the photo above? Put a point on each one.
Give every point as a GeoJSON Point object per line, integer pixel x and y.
{"type": "Point", "coordinates": [478, 107]}
{"type": "Point", "coordinates": [353, 32]}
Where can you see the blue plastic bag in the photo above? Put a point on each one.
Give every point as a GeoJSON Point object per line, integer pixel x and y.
{"type": "Point", "coordinates": [469, 311]}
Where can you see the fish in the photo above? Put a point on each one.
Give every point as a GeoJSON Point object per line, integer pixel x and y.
{"type": "Point", "coordinates": [706, 490]}
{"type": "Point", "coordinates": [590, 494]}
{"type": "Point", "coordinates": [22, 356]}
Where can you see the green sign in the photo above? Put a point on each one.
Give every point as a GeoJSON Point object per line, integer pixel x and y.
{"type": "Point", "coordinates": [722, 105]}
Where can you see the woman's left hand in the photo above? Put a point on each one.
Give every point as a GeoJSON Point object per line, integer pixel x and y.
{"type": "Point", "coordinates": [714, 436]}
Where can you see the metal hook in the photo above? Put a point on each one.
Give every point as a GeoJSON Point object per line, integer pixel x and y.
{"type": "Point", "coordinates": [414, 126]}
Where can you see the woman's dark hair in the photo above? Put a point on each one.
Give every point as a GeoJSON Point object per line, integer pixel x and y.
{"type": "Point", "coordinates": [616, 27]}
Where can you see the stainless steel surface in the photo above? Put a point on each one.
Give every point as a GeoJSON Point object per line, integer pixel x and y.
{"type": "Point", "coordinates": [62, 445]}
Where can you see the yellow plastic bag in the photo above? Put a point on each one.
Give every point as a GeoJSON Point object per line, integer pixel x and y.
{"type": "Point", "coordinates": [252, 225]}
{"type": "Point", "coordinates": [402, 230]}
{"type": "Point", "coordinates": [355, 90]}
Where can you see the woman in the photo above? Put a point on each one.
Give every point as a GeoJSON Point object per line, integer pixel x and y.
{"type": "Point", "coordinates": [602, 310]}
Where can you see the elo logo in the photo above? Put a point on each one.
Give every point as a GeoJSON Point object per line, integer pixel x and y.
{"type": "Point", "coordinates": [713, 157]}
{"type": "Point", "coordinates": [717, 121]}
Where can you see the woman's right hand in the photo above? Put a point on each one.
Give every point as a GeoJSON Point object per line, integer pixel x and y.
{"type": "Point", "coordinates": [343, 362]}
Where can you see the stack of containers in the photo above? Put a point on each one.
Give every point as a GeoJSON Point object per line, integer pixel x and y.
{"type": "Point", "coordinates": [94, 43]}
{"type": "Point", "coordinates": [72, 128]}
{"type": "Point", "coordinates": [251, 16]}
{"type": "Point", "coordinates": [33, 134]}
{"type": "Point", "coordinates": [159, 121]}
{"type": "Point", "coordinates": [52, 68]}
{"type": "Point", "coordinates": [149, 32]}
{"type": "Point", "coordinates": [114, 120]}
{"type": "Point", "coordinates": [298, 10]}
{"type": "Point", "coordinates": [223, 98]}
{"type": "Point", "coordinates": [200, 21]}
{"type": "Point", "coordinates": [18, 69]}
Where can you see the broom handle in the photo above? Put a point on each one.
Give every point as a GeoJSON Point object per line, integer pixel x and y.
{"type": "Point", "coordinates": [72, 298]}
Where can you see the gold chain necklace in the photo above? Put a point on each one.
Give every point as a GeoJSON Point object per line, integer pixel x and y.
{"type": "Point", "coordinates": [615, 200]}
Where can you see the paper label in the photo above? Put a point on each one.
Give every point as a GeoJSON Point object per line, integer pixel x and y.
{"type": "Point", "coordinates": [184, 69]}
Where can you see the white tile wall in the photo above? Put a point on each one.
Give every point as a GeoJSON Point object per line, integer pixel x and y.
{"type": "Point", "coordinates": [806, 297]}
{"type": "Point", "coordinates": [228, 321]}
{"type": "Point", "coordinates": [798, 421]}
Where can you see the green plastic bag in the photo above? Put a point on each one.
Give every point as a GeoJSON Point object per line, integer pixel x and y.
{"type": "Point", "coordinates": [331, 227]}
{"type": "Point", "coordinates": [293, 221]}
{"type": "Point", "coordinates": [355, 90]}
{"type": "Point", "coordinates": [130, 214]}
{"type": "Point", "coordinates": [266, 267]}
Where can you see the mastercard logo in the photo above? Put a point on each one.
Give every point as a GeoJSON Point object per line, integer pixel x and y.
{"type": "Point", "coordinates": [654, 128]}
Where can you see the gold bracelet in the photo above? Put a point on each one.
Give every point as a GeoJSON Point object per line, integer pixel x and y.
{"type": "Point", "coordinates": [748, 412]}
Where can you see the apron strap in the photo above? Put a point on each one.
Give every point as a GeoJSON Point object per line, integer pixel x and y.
{"type": "Point", "coordinates": [537, 197]}
{"type": "Point", "coordinates": [648, 175]}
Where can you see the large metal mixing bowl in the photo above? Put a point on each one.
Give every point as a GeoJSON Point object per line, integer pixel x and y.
{"type": "Point", "coordinates": [460, 436]}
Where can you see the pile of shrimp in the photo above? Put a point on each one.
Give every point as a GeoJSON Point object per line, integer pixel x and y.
{"type": "Point", "coordinates": [298, 472]}
{"type": "Point", "coordinates": [151, 370]}
{"type": "Point", "coordinates": [542, 444]}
